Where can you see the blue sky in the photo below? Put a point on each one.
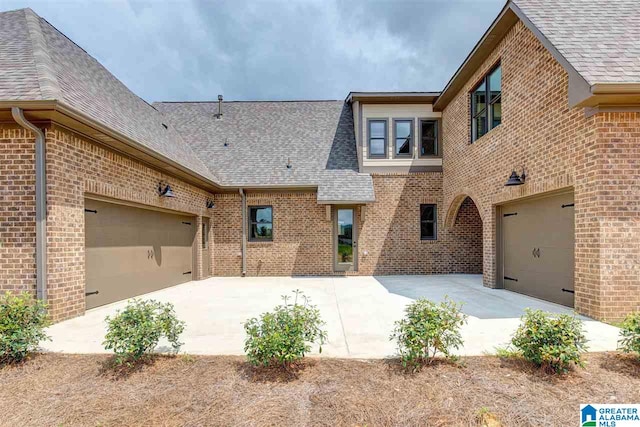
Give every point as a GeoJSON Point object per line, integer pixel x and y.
{"type": "Point", "coordinates": [194, 50]}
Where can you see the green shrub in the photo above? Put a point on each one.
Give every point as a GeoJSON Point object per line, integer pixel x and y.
{"type": "Point", "coordinates": [135, 331]}
{"type": "Point", "coordinates": [554, 342]}
{"type": "Point", "coordinates": [22, 323]}
{"type": "Point", "coordinates": [283, 336]}
{"type": "Point", "coordinates": [630, 334]}
{"type": "Point", "coordinates": [428, 329]}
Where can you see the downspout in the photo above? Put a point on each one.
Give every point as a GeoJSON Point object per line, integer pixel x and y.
{"type": "Point", "coordinates": [41, 204]}
{"type": "Point", "coordinates": [244, 232]}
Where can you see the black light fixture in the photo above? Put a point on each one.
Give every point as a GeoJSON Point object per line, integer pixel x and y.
{"type": "Point", "coordinates": [289, 165]}
{"type": "Point", "coordinates": [516, 179]}
{"type": "Point", "coordinates": [210, 204]}
{"type": "Point", "coordinates": [164, 190]}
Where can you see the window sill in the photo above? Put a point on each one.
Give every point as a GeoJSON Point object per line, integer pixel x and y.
{"type": "Point", "coordinates": [424, 240]}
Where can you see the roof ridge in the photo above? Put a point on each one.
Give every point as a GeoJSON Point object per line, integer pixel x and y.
{"type": "Point", "coordinates": [49, 87]}
{"type": "Point", "coordinates": [248, 101]}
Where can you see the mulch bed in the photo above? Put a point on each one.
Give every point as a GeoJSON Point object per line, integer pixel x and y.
{"type": "Point", "coordinates": [81, 390]}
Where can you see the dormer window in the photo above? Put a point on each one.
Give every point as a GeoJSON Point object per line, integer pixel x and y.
{"type": "Point", "coordinates": [377, 129]}
{"type": "Point", "coordinates": [403, 137]}
{"type": "Point", "coordinates": [486, 104]}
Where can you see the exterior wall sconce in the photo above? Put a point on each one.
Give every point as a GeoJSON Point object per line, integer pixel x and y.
{"type": "Point", "coordinates": [164, 190]}
{"type": "Point", "coordinates": [289, 165]}
{"type": "Point", "coordinates": [516, 179]}
{"type": "Point", "coordinates": [210, 204]}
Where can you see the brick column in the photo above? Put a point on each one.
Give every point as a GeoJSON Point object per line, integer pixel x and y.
{"type": "Point", "coordinates": [608, 240]}
{"type": "Point", "coordinates": [198, 273]}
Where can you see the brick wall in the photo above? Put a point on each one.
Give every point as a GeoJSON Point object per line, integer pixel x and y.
{"type": "Point", "coordinates": [302, 239]}
{"type": "Point", "coordinates": [75, 167]}
{"type": "Point", "coordinates": [559, 148]}
{"type": "Point", "coordinates": [390, 233]}
{"type": "Point", "coordinates": [611, 221]}
{"type": "Point", "coordinates": [17, 210]}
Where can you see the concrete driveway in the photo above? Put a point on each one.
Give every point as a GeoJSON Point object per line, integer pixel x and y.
{"type": "Point", "coordinates": [359, 313]}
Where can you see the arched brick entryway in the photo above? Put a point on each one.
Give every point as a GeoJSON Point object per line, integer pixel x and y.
{"type": "Point", "coordinates": [464, 222]}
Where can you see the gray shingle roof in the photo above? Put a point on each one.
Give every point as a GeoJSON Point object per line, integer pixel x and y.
{"type": "Point", "coordinates": [38, 62]}
{"type": "Point", "coordinates": [317, 137]}
{"type": "Point", "coordinates": [18, 73]}
{"type": "Point", "coordinates": [600, 39]}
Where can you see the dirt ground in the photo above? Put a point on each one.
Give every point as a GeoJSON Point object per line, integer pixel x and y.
{"type": "Point", "coordinates": [77, 390]}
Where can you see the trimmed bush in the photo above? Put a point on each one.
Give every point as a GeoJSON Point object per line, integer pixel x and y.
{"type": "Point", "coordinates": [284, 335]}
{"type": "Point", "coordinates": [22, 323]}
{"type": "Point", "coordinates": [135, 331]}
{"type": "Point", "coordinates": [428, 329]}
{"type": "Point", "coordinates": [630, 334]}
{"type": "Point", "coordinates": [554, 342]}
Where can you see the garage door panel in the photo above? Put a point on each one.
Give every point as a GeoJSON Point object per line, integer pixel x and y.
{"type": "Point", "coordinates": [549, 286]}
{"type": "Point", "coordinates": [553, 259]}
{"type": "Point", "coordinates": [514, 257]}
{"type": "Point", "coordinates": [131, 251]}
{"type": "Point", "coordinates": [538, 247]}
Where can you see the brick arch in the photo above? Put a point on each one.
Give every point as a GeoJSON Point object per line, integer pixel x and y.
{"type": "Point", "coordinates": [454, 207]}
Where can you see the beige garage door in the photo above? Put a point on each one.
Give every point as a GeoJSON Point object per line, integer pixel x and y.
{"type": "Point", "coordinates": [130, 251]}
{"type": "Point", "coordinates": [538, 245]}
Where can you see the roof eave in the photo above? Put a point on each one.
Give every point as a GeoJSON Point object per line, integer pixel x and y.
{"type": "Point", "coordinates": [487, 43]}
{"type": "Point", "coordinates": [400, 97]}
{"type": "Point", "coordinates": [612, 95]}
{"type": "Point", "coordinates": [580, 92]}
{"type": "Point", "coordinates": [345, 202]}
{"type": "Point", "coordinates": [617, 88]}
{"type": "Point", "coordinates": [78, 116]}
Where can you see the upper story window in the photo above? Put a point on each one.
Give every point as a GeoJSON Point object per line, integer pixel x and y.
{"type": "Point", "coordinates": [486, 105]}
{"type": "Point", "coordinates": [260, 223]}
{"type": "Point", "coordinates": [377, 138]}
{"type": "Point", "coordinates": [403, 137]}
{"type": "Point", "coordinates": [428, 138]}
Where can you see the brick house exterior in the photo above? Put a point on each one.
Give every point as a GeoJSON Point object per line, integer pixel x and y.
{"type": "Point", "coordinates": [597, 156]}
{"type": "Point", "coordinates": [315, 160]}
{"type": "Point", "coordinates": [76, 168]}
{"type": "Point", "coordinates": [389, 236]}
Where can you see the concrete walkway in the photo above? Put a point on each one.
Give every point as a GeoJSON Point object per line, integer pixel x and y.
{"type": "Point", "coordinates": [359, 313]}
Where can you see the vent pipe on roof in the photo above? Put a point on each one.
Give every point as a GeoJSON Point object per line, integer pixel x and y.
{"type": "Point", "coordinates": [219, 115]}
{"type": "Point", "coordinates": [41, 203]}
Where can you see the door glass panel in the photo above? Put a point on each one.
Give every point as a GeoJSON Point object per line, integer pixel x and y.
{"type": "Point", "coordinates": [345, 235]}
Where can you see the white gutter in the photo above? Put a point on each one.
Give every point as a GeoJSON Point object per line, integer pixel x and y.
{"type": "Point", "coordinates": [244, 232]}
{"type": "Point", "coordinates": [41, 203]}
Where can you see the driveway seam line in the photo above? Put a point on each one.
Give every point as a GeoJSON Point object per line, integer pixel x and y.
{"type": "Point", "coordinates": [344, 333]}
